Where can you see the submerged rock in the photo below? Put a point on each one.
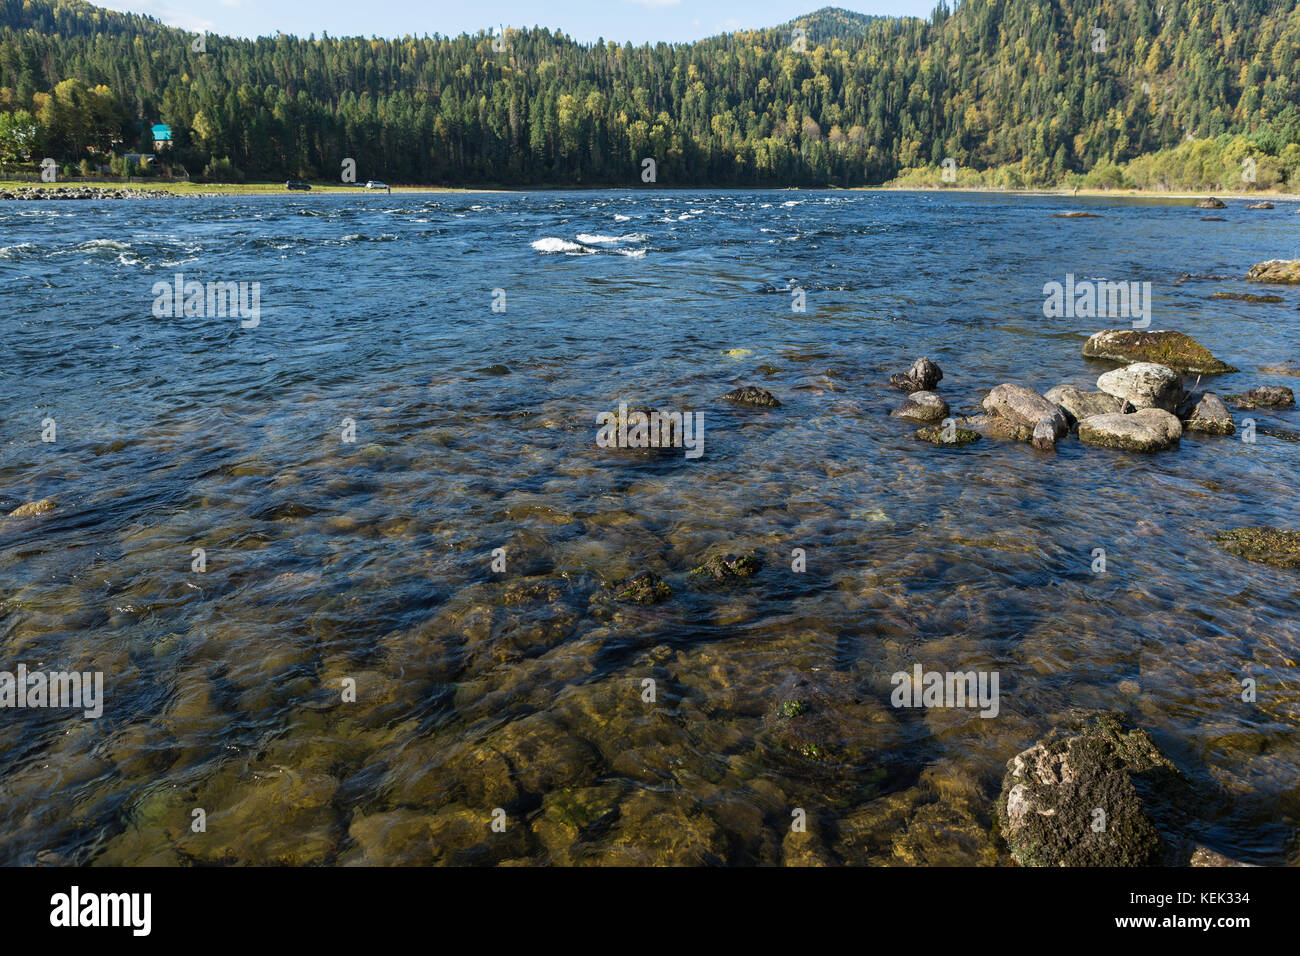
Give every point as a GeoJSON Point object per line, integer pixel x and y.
{"type": "Point", "coordinates": [822, 718]}
{"type": "Point", "coordinates": [923, 376]}
{"type": "Point", "coordinates": [1212, 203]}
{"type": "Point", "coordinates": [1090, 797]}
{"type": "Point", "coordinates": [726, 569]}
{"type": "Point", "coordinates": [1266, 396]}
{"type": "Point", "coordinates": [1148, 429]}
{"type": "Point", "coordinates": [1277, 271]}
{"type": "Point", "coordinates": [1265, 545]}
{"type": "Point", "coordinates": [1203, 855]}
{"type": "Point", "coordinates": [33, 508]}
{"type": "Point", "coordinates": [1246, 297]}
{"type": "Point", "coordinates": [923, 407]}
{"type": "Point", "coordinates": [752, 395]}
{"type": "Point", "coordinates": [1205, 412]}
{"type": "Point", "coordinates": [939, 435]}
{"type": "Point", "coordinates": [642, 588]}
{"type": "Point", "coordinates": [991, 426]}
{"type": "Point", "coordinates": [1075, 215]}
{"type": "Point", "coordinates": [1026, 410]}
{"type": "Point", "coordinates": [1174, 350]}
{"type": "Point", "coordinates": [1079, 404]}
{"type": "Point", "coordinates": [1145, 385]}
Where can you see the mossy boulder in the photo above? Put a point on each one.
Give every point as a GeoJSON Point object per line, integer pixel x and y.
{"type": "Point", "coordinates": [1089, 797]}
{"type": "Point", "coordinates": [1212, 203]}
{"type": "Point", "coordinates": [1265, 545]}
{"type": "Point", "coordinates": [1174, 350]}
{"type": "Point", "coordinates": [922, 407]}
{"type": "Point", "coordinates": [724, 569]}
{"type": "Point", "coordinates": [1276, 271]}
{"type": "Point", "coordinates": [1247, 297]}
{"type": "Point", "coordinates": [992, 426]}
{"type": "Point", "coordinates": [1146, 430]}
{"type": "Point", "coordinates": [939, 435]}
{"type": "Point", "coordinates": [642, 588]}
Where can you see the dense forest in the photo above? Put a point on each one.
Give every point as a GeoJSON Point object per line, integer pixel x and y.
{"type": "Point", "coordinates": [1044, 89]}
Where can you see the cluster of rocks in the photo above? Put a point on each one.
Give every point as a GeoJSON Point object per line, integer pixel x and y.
{"type": "Point", "coordinates": [1141, 407]}
{"type": "Point", "coordinates": [83, 192]}
{"type": "Point", "coordinates": [717, 571]}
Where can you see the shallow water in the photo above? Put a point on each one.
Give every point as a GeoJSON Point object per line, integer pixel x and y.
{"type": "Point", "coordinates": [475, 430]}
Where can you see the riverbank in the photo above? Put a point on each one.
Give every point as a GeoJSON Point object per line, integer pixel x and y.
{"type": "Point", "coordinates": [118, 190]}
{"type": "Point", "coordinates": [1252, 196]}
{"type": "Point", "coordinates": [84, 190]}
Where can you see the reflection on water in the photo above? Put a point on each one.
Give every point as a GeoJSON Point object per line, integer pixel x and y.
{"type": "Point", "coordinates": [330, 562]}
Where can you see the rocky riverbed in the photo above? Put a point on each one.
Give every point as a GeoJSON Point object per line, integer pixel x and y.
{"type": "Point", "coordinates": [473, 635]}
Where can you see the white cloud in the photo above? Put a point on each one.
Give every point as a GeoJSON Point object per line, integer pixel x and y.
{"type": "Point", "coordinates": [172, 16]}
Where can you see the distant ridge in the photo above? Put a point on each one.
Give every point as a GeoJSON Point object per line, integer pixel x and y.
{"type": "Point", "coordinates": [834, 23]}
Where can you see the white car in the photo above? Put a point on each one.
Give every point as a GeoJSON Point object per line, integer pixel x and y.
{"type": "Point", "coordinates": [376, 184]}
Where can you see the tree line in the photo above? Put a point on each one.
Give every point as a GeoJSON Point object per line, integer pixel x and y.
{"type": "Point", "coordinates": [1050, 87]}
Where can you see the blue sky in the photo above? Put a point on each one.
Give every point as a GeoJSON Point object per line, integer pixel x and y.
{"type": "Point", "coordinates": [637, 21]}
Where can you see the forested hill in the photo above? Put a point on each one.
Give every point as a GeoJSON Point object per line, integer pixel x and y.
{"type": "Point", "coordinates": [1035, 82]}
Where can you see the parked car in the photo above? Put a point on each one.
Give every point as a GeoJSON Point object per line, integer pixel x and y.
{"type": "Point", "coordinates": [296, 184]}
{"type": "Point", "coordinates": [376, 184]}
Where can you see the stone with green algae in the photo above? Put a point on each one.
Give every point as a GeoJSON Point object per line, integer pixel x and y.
{"type": "Point", "coordinates": [1265, 545]}
{"type": "Point", "coordinates": [1089, 797]}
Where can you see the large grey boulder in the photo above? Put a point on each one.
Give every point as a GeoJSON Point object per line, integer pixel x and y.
{"type": "Point", "coordinates": [1145, 385]}
{"type": "Point", "coordinates": [1025, 409]}
{"type": "Point", "coordinates": [1078, 403]}
{"type": "Point", "coordinates": [1148, 429]}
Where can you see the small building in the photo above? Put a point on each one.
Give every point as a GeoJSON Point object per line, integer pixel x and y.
{"type": "Point", "coordinates": [162, 136]}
